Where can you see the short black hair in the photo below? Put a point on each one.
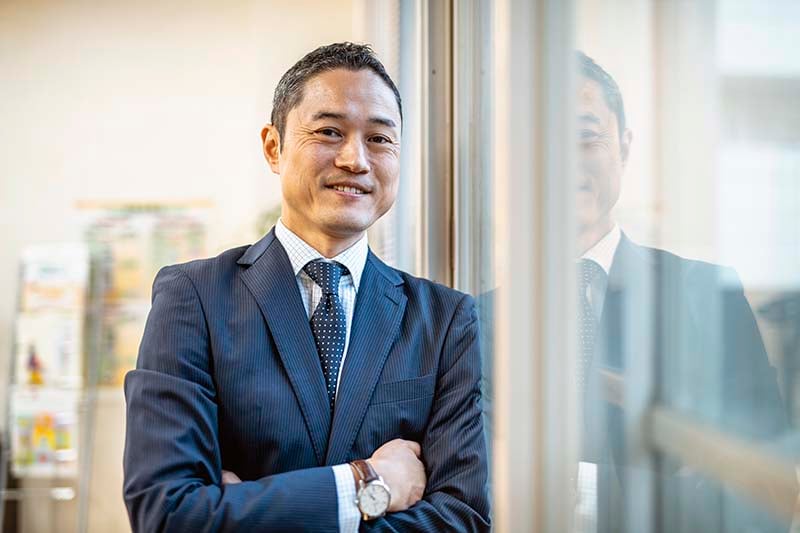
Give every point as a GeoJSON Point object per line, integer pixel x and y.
{"type": "Point", "coordinates": [611, 92]}
{"type": "Point", "coordinates": [346, 55]}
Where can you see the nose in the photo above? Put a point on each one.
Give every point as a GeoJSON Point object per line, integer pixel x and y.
{"type": "Point", "coordinates": [353, 157]}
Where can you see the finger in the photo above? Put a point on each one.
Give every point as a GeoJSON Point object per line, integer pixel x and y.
{"type": "Point", "coordinates": [413, 446]}
{"type": "Point", "coordinates": [229, 478]}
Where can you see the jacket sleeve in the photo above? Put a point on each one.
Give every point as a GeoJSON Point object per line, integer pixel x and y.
{"type": "Point", "coordinates": [453, 448]}
{"type": "Point", "coordinates": [753, 408]}
{"type": "Point", "coordinates": [172, 459]}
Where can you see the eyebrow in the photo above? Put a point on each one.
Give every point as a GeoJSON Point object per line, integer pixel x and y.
{"type": "Point", "coordinates": [590, 117]}
{"type": "Point", "coordinates": [341, 116]}
{"type": "Point", "coordinates": [389, 123]}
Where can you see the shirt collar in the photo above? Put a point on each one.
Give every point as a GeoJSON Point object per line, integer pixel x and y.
{"type": "Point", "coordinates": [603, 251]}
{"type": "Point", "coordinates": [300, 253]}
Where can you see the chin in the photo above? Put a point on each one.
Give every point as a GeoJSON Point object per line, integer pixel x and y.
{"type": "Point", "coordinates": [347, 226]}
{"type": "Point", "coordinates": [350, 221]}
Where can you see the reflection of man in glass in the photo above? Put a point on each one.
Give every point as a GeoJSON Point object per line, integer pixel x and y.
{"type": "Point", "coordinates": [706, 351]}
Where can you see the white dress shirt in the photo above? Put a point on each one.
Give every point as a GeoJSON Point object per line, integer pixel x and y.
{"type": "Point", "coordinates": [354, 258]}
{"type": "Point", "coordinates": [603, 251]}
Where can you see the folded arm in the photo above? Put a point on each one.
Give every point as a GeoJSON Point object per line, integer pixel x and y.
{"type": "Point", "coordinates": [173, 461]}
{"type": "Point", "coordinates": [453, 447]}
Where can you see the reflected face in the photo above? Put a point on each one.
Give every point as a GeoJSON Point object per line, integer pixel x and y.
{"type": "Point", "coordinates": [340, 159]}
{"type": "Point", "coordinates": [602, 158]}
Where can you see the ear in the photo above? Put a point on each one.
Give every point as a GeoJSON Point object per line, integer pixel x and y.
{"type": "Point", "coordinates": [271, 143]}
{"type": "Point", "coordinates": [625, 145]}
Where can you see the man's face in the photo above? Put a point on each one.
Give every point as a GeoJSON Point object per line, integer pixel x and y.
{"type": "Point", "coordinates": [603, 156]}
{"type": "Point", "coordinates": [339, 160]}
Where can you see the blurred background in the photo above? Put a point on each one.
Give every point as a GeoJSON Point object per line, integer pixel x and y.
{"type": "Point", "coordinates": [130, 140]}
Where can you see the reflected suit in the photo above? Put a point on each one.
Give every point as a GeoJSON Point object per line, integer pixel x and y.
{"type": "Point", "coordinates": [692, 320]}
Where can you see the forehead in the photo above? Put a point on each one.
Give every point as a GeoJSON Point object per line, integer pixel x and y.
{"type": "Point", "coordinates": [592, 101]}
{"type": "Point", "coordinates": [353, 93]}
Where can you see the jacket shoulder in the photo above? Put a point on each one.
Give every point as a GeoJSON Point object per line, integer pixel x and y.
{"type": "Point", "coordinates": [432, 293]}
{"type": "Point", "coordinates": [692, 271]}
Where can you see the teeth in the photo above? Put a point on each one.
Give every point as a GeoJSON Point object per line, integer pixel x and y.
{"type": "Point", "coordinates": [351, 190]}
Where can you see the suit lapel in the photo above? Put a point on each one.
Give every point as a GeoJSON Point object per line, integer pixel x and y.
{"type": "Point", "coordinates": [380, 305]}
{"type": "Point", "coordinates": [626, 289]}
{"type": "Point", "coordinates": [270, 279]}
{"type": "Point", "coordinates": [625, 333]}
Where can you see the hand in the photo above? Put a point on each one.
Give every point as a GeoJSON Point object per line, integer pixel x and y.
{"type": "Point", "coordinates": [398, 463]}
{"type": "Point", "coordinates": [229, 478]}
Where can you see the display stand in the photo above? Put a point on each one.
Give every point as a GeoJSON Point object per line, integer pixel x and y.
{"type": "Point", "coordinates": [53, 396]}
{"type": "Point", "coordinates": [129, 243]}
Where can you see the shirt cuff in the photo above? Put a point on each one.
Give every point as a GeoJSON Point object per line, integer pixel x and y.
{"type": "Point", "coordinates": [349, 516]}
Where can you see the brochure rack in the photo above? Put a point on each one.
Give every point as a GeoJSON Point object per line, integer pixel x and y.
{"type": "Point", "coordinates": [51, 400]}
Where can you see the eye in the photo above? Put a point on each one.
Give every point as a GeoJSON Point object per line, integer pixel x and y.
{"type": "Point", "coordinates": [380, 139]}
{"type": "Point", "coordinates": [590, 140]}
{"type": "Point", "coordinates": [328, 132]}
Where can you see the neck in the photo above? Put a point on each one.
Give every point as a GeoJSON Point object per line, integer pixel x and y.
{"type": "Point", "coordinates": [590, 235]}
{"type": "Point", "coordinates": [327, 245]}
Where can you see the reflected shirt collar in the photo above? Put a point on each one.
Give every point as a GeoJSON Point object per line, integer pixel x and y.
{"type": "Point", "coordinates": [300, 253]}
{"type": "Point", "coordinates": [603, 251]}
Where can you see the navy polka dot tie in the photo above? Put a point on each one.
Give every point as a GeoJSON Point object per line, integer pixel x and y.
{"type": "Point", "coordinates": [328, 323]}
{"type": "Point", "coordinates": [589, 270]}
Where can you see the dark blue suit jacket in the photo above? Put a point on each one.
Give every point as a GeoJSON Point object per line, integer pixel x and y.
{"type": "Point", "coordinates": [228, 377]}
{"type": "Point", "coordinates": [708, 358]}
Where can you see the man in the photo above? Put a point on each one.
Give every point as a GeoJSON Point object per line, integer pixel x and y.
{"type": "Point", "coordinates": [267, 375]}
{"type": "Point", "coordinates": [690, 317]}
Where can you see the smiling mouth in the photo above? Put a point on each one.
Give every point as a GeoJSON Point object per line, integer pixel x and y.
{"type": "Point", "coordinates": [347, 189]}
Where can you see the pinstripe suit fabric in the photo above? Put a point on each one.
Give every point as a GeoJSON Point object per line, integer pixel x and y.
{"type": "Point", "coordinates": [228, 378]}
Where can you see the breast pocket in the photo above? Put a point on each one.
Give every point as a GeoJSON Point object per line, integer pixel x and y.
{"type": "Point", "coordinates": [398, 410]}
{"type": "Point", "coordinates": [404, 390]}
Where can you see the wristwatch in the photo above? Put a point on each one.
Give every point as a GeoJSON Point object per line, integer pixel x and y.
{"type": "Point", "coordinates": [372, 494]}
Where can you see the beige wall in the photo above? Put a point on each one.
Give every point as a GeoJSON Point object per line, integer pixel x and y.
{"type": "Point", "coordinates": [149, 100]}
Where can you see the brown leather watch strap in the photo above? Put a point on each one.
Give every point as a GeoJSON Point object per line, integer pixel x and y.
{"type": "Point", "coordinates": [365, 470]}
{"type": "Point", "coordinates": [357, 476]}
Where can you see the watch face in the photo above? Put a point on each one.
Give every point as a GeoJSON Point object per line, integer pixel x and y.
{"type": "Point", "coordinates": [373, 499]}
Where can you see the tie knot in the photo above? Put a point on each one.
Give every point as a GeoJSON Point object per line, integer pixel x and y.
{"type": "Point", "coordinates": [589, 270]}
{"type": "Point", "coordinates": [325, 274]}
